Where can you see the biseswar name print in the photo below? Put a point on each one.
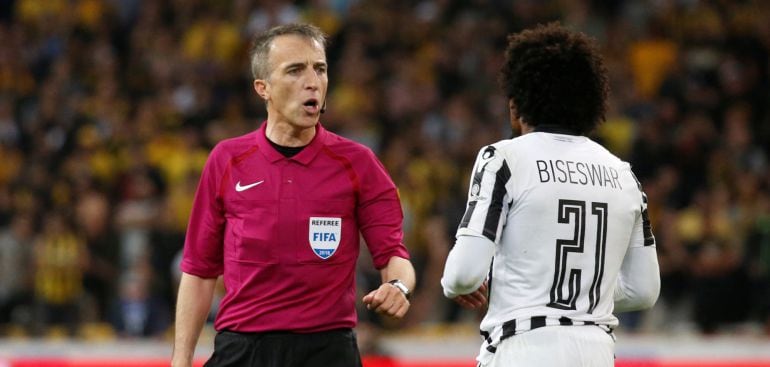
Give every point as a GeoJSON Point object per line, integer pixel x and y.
{"type": "Point", "coordinates": [578, 173]}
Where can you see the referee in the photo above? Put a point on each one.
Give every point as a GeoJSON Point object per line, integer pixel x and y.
{"type": "Point", "coordinates": [277, 214]}
{"type": "Point", "coordinates": [556, 231]}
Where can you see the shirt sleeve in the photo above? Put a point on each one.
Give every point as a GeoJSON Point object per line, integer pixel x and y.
{"type": "Point", "coordinates": [467, 265]}
{"type": "Point", "coordinates": [379, 213]}
{"type": "Point", "coordinates": [203, 248]}
{"type": "Point", "coordinates": [638, 283]}
{"type": "Point", "coordinates": [488, 200]}
{"type": "Point", "coordinates": [642, 235]}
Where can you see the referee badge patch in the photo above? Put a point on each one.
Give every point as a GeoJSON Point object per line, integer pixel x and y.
{"type": "Point", "coordinates": [324, 235]}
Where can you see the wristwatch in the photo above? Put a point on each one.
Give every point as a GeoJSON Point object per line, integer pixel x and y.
{"type": "Point", "coordinates": [402, 287]}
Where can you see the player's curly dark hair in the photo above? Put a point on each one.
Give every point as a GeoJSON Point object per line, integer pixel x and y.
{"type": "Point", "coordinates": [555, 77]}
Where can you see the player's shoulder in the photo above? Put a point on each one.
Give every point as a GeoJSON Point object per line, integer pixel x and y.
{"type": "Point", "coordinates": [500, 145]}
{"type": "Point", "coordinates": [518, 143]}
{"type": "Point", "coordinates": [508, 148]}
{"type": "Point", "coordinates": [533, 144]}
{"type": "Point", "coordinates": [609, 157]}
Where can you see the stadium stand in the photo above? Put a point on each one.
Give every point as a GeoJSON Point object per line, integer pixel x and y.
{"type": "Point", "coordinates": [109, 107]}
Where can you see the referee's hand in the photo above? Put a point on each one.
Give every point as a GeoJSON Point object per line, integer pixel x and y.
{"type": "Point", "coordinates": [387, 300]}
{"type": "Point", "coordinates": [475, 300]}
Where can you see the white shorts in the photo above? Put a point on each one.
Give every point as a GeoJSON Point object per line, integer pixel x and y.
{"type": "Point", "coordinates": [557, 346]}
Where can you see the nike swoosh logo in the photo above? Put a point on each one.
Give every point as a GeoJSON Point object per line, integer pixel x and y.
{"type": "Point", "coordinates": [240, 188]}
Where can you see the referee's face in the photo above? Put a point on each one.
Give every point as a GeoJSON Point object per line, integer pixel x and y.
{"type": "Point", "coordinates": [296, 86]}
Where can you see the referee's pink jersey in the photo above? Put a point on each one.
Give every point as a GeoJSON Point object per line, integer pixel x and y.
{"type": "Point", "coordinates": [284, 232]}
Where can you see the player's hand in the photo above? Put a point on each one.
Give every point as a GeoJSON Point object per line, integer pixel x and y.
{"type": "Point", "coordinates": [475, 300]}
{"type": "Point", "coordinates": [387, 300]}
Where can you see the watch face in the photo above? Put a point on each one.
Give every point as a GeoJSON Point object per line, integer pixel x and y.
{"type": "Point", "coordinates": [398, 284]}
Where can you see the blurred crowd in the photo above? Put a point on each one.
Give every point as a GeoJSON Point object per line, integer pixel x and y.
{"type": "Point", "coordinates": [108, 109]}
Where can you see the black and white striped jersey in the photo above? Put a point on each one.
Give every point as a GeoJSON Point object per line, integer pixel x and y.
{"type": "Point", "coordinates": [562, 212]}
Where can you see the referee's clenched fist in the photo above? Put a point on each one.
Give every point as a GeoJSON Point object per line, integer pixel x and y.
{"type": "Point", "coordinates": [390, 299]}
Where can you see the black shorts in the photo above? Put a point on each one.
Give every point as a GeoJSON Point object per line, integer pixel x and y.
{"type": "Point", "coordinates": [334, 348]}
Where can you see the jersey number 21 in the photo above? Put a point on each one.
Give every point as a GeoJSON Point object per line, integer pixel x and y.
{"type": "Point", "coordinates": [574, 211]}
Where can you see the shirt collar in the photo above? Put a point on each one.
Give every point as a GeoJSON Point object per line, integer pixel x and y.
{"type": "Point", "coordinates": [304, 157]}
{"type": "Point", "coordinates": [555, 129]}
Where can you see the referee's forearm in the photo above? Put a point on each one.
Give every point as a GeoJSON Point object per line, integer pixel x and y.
{"type": "Point", "coordinates": [193, 305]}
{"type": "Point", "coordinates": [401, 269]}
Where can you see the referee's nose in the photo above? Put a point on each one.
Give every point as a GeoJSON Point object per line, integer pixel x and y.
{"type": "Point", "coordinates": [313, 79]}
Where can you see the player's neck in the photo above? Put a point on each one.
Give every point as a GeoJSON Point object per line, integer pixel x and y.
{"type": "Point", "coordinates": [526, 128]}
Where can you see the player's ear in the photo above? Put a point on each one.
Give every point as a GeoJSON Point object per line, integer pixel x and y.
{"type": "Point", "coordinates": [512, 109]}
{"type": "Point", "coordinates": [262, 88]}
{"type": "Point", "coordinates": [513, 114]}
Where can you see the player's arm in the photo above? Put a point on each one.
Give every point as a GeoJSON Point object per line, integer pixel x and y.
{"type": "Point", "coordinates": [389, 299]}
{"type": "Point", "coordinates": [192, 308]}
{"type": "Point", "coordinates": [466, 270]}
{"type": "Point", "coordinates": [638, 283]}
{"type": "Point", "coordinates": [479, 231]}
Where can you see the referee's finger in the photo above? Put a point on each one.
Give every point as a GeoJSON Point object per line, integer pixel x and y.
{"type": "Point", "coordinates": [395, 307]}
{"type": "Point", "coordinates": [402, 310]}
{"type": "Point", "coordinates": [368, 298]}
{"type": "Point", "coordinates": [385, 305]}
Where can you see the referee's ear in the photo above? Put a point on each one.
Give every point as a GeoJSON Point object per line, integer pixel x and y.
{"type": "Point", "coordinates": [262, 88]}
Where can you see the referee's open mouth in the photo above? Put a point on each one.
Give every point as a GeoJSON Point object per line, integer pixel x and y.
{"type": "Point", "coordinates": [312, 106]}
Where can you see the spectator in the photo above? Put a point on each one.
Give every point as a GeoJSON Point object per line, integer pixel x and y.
{"type": "Point", "coordinates": [60, 259]}
{"type": "Point", "coordinates": [15, 275]}
{"type": "Point", "coordinates": [136, 312]}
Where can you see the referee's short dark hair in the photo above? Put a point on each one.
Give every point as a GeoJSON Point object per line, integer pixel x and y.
{"type": "Point", "coordinates": [555, 77]}
{"type": "Point", "coordinates": [260, 47]}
